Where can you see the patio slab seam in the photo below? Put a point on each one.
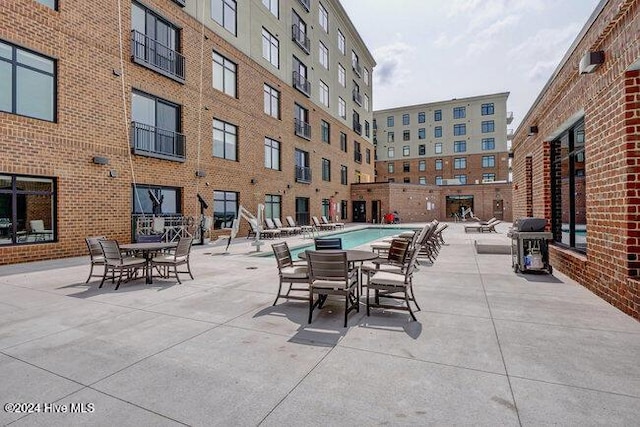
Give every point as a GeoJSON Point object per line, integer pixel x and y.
{"type": "Point", "coordinates": [581, 328]}
{"type": "Point", "coordinates": [577, 387]}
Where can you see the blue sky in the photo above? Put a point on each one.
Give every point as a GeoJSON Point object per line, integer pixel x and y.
{"type": "Point", "coordinates": [434, 50]}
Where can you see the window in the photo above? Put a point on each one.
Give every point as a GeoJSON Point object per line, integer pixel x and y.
{"type": "Point", "coordinates": [155, 200]}
{"type": "Point", "coordinates": [323, 18]}
{"type": "Point", "coordinates": [271, 101]}
{"type": "Point", "coordinates": [357, 97]}
{"type": "Point", "coordinates": [342, 108]}
{"type": "Point", "coordinates": [301, 121]}
{"type": "Point", "coordinates": [272, 206]}
{"type": "Point", "coordinates": [299, 32]}
{"type": "Point", "coordinates": [438, 180]}
{"type": "Point", "coordinates": [357, 154]}
{"type": "Point", "coordinates": [366, 102]}
{"type": "Point", "coordinates": [365, 76]}
{"type": "Point", "coordinates": [461, 178]}
{"type": "Point", "coordinates": [438, 164]}
{"type": "Point", "coordinates": [271, 154]}
{"type": "Point", "coordinates": [487, 109]}
{"type": "Point", "coordinates": [27, 83]}
{"type": "Point", "coordinates": [459, 129]}
{"type": "Point", "coordinates": [303, 171]}
{"type": "Point", "coordinates": [390, 167]}
{"type": "Point", "coordinates": [391, 152]}
{"type": "Point", "coordinates": [459, 112]}
{"type": "Point", "coordinates": [272, 5]}
{"type": "Point", "coordinates": [422, 165]}
{"type": "Point", "coordinates": [366, 128]}
{"type": "Point", "coordinates": [406, 167]}
{"type": "Point", "coordinates": [300, 81]}
{"type": "Point", "coordinates": [422, 133]}
{"type": "Point", "coordinates": [270, 48]}
{"type": "Point", "coordinates": [488, 143]}
{"type": "Point", "coordinates": [326, 170]}
{"type": "Point", "coordinates": [323, 55]}
{"type": "Point", "coordinates": [355, 63]}
{"type": "Point", "coordinates": [344, 206]}
{"type": "Point", "coordinates": [155, 127]}
{"type": "Point", "coordinates": [406, 135]}
{"type": "Point", "coordinates": [391, 137]}
{"type": "Point", "coordinates": [406, 151]}
{"type": "Point", "coordinates": [224, 13]}
{"type": "Point", "coordinates": [225, 144]}
{"type": "Point", "coordinates": [437, 148]}
{"type": "Point", "coordinates": [224, 75]}
{"type": "Point", "coordinates": [422, 180]}
{"type": "Point", "coordinates": [24, 200]}
{"type": "Point", "coordinates": [488, 161]}
{"type": "Point", "coordinates": [325, 207]}
{"type": "Point", "coordinates": [568, 189]}
{"type": "Point", "coordinates": [225, 206]}
{"type": "Point", "coordinates": [390, 121]}
{"type": "Point", "coordinates": [343, 141]}
{"type": "Point", "coordinates": [488, 177]}
{"type": "Point", "coordinates": [422, 117]}
{"type": "Point", "coordinates": [406, 180]}
{"type": "Point", "coordinates": [155, 43]}
{"type": "Point", "coordinates": [367, 155]}
{"type": "Point", "coordinates": [357, 127]}
{"type": "Point", "coordinates": [342, 76]}
{"type": "Point", "coordinates": [325, 131]}
{"type": "Point", "coordinates": [437, 115]}
{"type": "Point", "coordinates": [459, 146]}
{"type": "Point", "coordinates": [422, 150]}
{"type": "Point", "coordinates": [488, 126]}
{"type": "Point", "coordinates": [405, 119]}
{"type": "Point", "coordinates": [341, 42]}
{"type": "Point", "coordinates": [460, 163]}
{"type": "Point", "coordinates": [437, 131]}
{"type": "Point", "coordinates": [343, 175]}
{"type": "Point", "coordinates": [50, 3]}
{"type": "Point", "coordinates": [324, 93]}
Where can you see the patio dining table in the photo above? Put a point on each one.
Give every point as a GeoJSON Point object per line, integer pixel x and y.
{"type": "Point", "coordinates": [353, 256]}
{"type": "Point", "coordinates": [148, 250]}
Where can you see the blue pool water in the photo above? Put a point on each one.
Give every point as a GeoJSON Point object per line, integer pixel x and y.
{"type": "Point", "coordinates": [352, 239]}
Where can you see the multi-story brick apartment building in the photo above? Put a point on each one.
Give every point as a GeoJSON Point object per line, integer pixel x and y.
{"type": "Point", "coordinates": [112, 109]}
{"type": "Point", "coordinates": [576, 158]}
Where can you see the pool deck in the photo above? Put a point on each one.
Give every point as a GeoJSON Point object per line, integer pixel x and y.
{"type": "Point", "coordinates": [490, 347]}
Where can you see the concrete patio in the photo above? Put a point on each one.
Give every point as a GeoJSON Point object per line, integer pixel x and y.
{"type": "Point", "coordinates": [489, 348]}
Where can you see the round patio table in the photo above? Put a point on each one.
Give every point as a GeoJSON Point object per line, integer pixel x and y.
{"type": "Point", "coordinates": [148, 250]}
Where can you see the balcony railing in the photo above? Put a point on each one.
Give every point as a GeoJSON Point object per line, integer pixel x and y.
{"type": "Point", "coordinates": [357, 68]}
{"type": "Point", "coordinates": [301, 39]}
{"type": "Point", "coordinates": [303, 174]}
{"type": "Point", "coordinates": [357, 97]}
{"type": "Point", "coordinates": [302, 84]}
{"type": "Point", "coordinates": [509, 117]}
{"type": "Point", "coordinates": [357, 128]}
{"type": "Point", "coordinates": [357, 156]}
{"type": "Point", "coordinates": [156, 56]}
{"type": "Point", "coordinates": [154, 142]}
{"type": "Point", "coordinates": [306, 4]}
{"type": "Point", "coordinates": [302, 129]}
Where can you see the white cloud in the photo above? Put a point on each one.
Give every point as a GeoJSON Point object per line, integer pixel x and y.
{"type": "Point", "coordinates": [491, 35]}
{"type": "Point", "coordinates": [393, 63]}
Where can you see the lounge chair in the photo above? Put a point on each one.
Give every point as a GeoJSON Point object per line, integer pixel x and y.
{"type": "Point", "coordinates": [290, 230]}
{"type": "Point", "coordinates": [179, 257]}
{"type": "Point", "coordinates": [481, 228]}
{"type": "Point", "coordinates": [267, 234]}
{"type": "Point", "coordinates": [291, 272]}
{"type": "Point", "coordinates": [328, 243]}
{"type": "Point", "coordinates": [336, 224]}
{"type": "Point", "coordinates": [320, 226]}
{"type": "Point", "coordinates": [272, 225]}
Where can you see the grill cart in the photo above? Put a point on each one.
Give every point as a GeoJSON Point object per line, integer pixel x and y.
{"type": "Point", "coordinates": [529, 249]}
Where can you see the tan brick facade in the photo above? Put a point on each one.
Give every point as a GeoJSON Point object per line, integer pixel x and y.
{"type": "Point", "coordinates": [92, 120]}
{"type": "Point", "coordinates": [609, 102]}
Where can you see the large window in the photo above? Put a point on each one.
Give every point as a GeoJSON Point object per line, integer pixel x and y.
{"type": "Point", "coordinates": [390, 121]}
{"type": "Point", "coordinates": [422, 133]}
{"type": "Point", "coordinates": [406, 135]}
{"type": "Point", "coordinates": [406, 119]}
{"type": "Point", "coordinates": [326, 170]}
{"type": "Point", "coordinates": [488, 177]}
{"type": "Point", "coordinates": [343, 175]}
{"type": "Point", "coordinates": [224, 13]}
{"type": "Point", "coordinates": [272, 5]}
{"type": "Point", "coordinates": [270, 48]}
{"type": "Point", "coordinates": [460, 163]}
{"type": "Point", "coordinates": [303, 171]}
{"type": "Point", "coordinates": [390, 167]}
{"type": "Point", "coordinates": [323, 55]}
{"type": "Point", "coordinates": [324, 93]}
{"type": "Point", "coordinates": [459, 112]}
{"type": "Point", "coordinates": [391, 136]}
{"type": "Point", "coordinates": [437, 148]}
{"type": "Point", "coordinates": [50, 3]}
{"type": "Point", "coordinates": [224, 75]}
{"type": "Point", "coordinates": [406, 151]}
{"type": "Point", "coordinates": [343, 142]}
{"type": "Point", "coordinates": [325, 131]}
{"type": "Point", "coordinates": [299, 32]}
{"type": "Point", "coordinates": [271, 154]}
{"type": "Point", "coordinates": [323, 18]}
{"type": "Point", "coordinates": [437, 115]}
{"type": "Point", "coordinates": [437, 132]}
{"type": "Point", "coordinates": [488, 161]}
{"type": "Point", "coordinates": [460, 129]}
{"type": "Point", "coordinates": [488, 144]}
{"type": "Point", "coordinates": [488, 126]}
{"type": "Point", "coordinates": [342, 76]}
{"type": "Point", "coordinates": [272, 206]}
{"type": "Point", "coordinates": [155, 127]}
{"type": "Point", "coordinates": [487, 109]}
{"type": "Point", "coordinates": [300, 81]}
{"type": "Point", "coordinates": [342, 108]}
{"type": "Point", "coordinates": [225, 208]}
{"type": "Point", "coordinates": [155, 200]}
{"type": "Point", "coordinates": [225, 140]}
{"type": "Point", "coordinates": [422, 150]}
{"type": "Point", "coordinates": [27, 83]}
{"type": "Point", "coordinates": [271, 101]}
{"type": "Point", "coordinates": [422, 165]}
{"type": "Point", "coordinates": [459, 146]}
{"type": "Point", "coordinates": [422, 117]}
{"type": "Point", "coordinates": [568, 189]}
{"type": "Point", "coordinates": [391, 152]}
{"type": "Point", "coordinates": [341, 42]}
{"type": "Point", "coordinates": [27, 209]}
{"type": "Point", "coordinates": [438, 164]}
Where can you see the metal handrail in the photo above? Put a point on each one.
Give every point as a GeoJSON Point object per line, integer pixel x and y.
{"type": "Point", "coordinates": [150, 139]}
{"type": "Point", "coordinates": [301, 83]}
{"type": "Point", "coordinates": [303, 174]}
{"type": "Point", "coordinates": [300, 37]}
{"type": "Point", "coordinates": [302, 129]}
{"type": "Point", "coordinates": [156, 55]}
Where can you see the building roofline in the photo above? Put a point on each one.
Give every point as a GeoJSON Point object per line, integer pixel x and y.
{"type": "Point", "coordinates": [355, 32]}
{"type": "Point", "coordinates": [453, 100]}
{"type": "Point", "coordinates": [585, 29]}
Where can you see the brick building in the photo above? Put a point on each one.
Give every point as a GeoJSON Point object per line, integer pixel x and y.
{"type": "Point", "coordinates": [576, 157]}
{"type": "Point", "coordinates": [113, 109]}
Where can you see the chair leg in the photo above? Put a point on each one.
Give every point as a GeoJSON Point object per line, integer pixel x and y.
{"type": "Point", "coordinates": [90, 274]}
{"type": "Point", "coordinates": [310, 305]}
{"type": "Point", "coordinates": [368, 310]}
{"type": "Point", "coordinates": [406, 300]}
{"type": "Point", "coordinates": [278, 295]}
{"type": "Point", "coordinates": [104, 276]}
{"type": "Point", "coordinates": [189, 270]}
{"type": "Point", "coordinates": [175, 270]}
{"type": "Point", "coordinates": [119, 279]}
{"type": "Point", "coordinates": [413, 296]}
{"type": "Point", "coordinates": [346, 308]}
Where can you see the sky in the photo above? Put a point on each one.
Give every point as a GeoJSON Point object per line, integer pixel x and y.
{"type": "Point", "coordinates": [436, 50]}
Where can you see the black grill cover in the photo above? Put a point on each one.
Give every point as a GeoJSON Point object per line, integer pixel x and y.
{"type": "Point", "coordinates": [531, 224]}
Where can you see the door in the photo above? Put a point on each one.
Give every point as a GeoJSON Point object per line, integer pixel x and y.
{"type": "Point", "coordinates": [359, 211]}
{"type": "Point", "coordinates": [376, 216]}
{"type": "Point", "coordinates": [302, 211]}
{"type": "Point", "coordinates": [498, 209]}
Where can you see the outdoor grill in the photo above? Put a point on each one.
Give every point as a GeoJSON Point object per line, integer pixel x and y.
{"type": "Point", "coordinates": [529, 250]}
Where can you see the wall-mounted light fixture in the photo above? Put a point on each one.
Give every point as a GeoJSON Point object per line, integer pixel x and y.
{"type": "Point", "coordinates": [100, 160]}
{"type": "Point", "coordinates": [591, 61]}
{"type": "Point", "coordinates": [201, 174]}
{"type": "Point", "coordinates": [533, 130]}
{"type": "Point", "coordinates": [113, 173]}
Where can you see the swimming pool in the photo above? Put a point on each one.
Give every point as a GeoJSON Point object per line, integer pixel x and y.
{"type": "Point", "coordinates": [353, 238]}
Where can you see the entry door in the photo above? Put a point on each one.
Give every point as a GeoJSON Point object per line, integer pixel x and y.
{"type": "Point", "coordinates": [359, 211]}
{"type": "Point", "coordinates": [498, 209]}
{"type": "Point", "coordinates": [302, 211]}
{"type": "Point", "coordinates": [376, 216]}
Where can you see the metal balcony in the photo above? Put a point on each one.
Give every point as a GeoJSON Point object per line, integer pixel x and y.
{"type": "Point", "coordinates": [357, 97]}
{"type": "Point", "coordinates": [306, 4]}
{"type": "Point", "coordinates": [357, 68]}
{"type": "Point", "coordinates": [303, 174]}
{"type": "Point", "coordinates": [357, 156]}
{"type": "Point", "coordinates": [301, 39]}
{"type": "Point", "coordinates": [302, 129]}
{"type": "Point", "coordinates": [152, 54]}
{"type": "Point", "coordinates": [302, 84]}
{"type": "Point", "coordinates": [509, 117]}
{"type": "Point", "coordinates": [357, 128]}
{"type": "Point", "coordinates": [154, 142]}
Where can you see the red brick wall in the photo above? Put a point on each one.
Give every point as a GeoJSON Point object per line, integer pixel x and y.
{"type": "Point", "coordinates": [608, 101]}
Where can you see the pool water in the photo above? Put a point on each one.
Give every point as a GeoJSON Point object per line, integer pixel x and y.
{"type": "Point", "coordinates": [354, 238]}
